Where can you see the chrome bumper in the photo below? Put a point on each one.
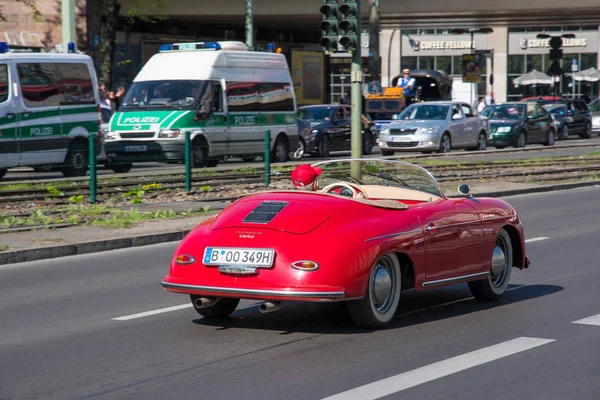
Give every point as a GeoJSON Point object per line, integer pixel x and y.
{"type": "Point", "coordinates": [179, 287]}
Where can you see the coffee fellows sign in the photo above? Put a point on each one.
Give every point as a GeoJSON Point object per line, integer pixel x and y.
{"type": "Point", "coordinates": [545, 43]}
{"type": "Point", "coordinates": [443, 45]}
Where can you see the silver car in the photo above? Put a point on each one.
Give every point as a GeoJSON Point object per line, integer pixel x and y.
{"type": "Point", "coordinates": [594, 107]}
{"type": "Point", "coordinates": [435, 126]}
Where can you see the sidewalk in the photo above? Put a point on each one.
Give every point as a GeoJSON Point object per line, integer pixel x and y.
{"type": "Point", "coordinates": [51, 243]}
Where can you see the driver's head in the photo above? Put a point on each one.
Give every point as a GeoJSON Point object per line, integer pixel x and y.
{"type": "Point", "coordinates": [305, 176]}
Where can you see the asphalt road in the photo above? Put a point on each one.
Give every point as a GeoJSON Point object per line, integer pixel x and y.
{"type": "Point", "coordinates": [27, 173]}
{"type": "Point", "coordinates": [72, 329]}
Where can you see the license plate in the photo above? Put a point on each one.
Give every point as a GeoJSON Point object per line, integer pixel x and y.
{"type": "Point", "coordinates": [136, 148]}
{"type": "Point", "coordinates": [400, 139]}
{"type": "Point", "coordinates": [238, 256]}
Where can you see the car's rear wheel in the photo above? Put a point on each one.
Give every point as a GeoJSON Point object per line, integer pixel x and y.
{"type": "Point", "coordinates": [481, 141]}
{"type": "Point", "coordinates": [222, 309]}
{"type": "Point", "coordinates": [367, 143]}
{"type": "Point", "coordinates": [280, 151]}
{"type": "Point", "coordinates": [521, 140]}
{"type": "Point", "coordinates": [76, 162]}
{"type": "Point", "coordinates": [494, 286]}
{"type": "Point", "coordinates": [299, 152]}
{"type": "Point", "coordinates": [381, 300]}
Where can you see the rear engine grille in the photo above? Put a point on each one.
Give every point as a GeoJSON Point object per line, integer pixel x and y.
{"type": "Point", "coordinates": [137, 135]}
{"type": "Point", "coordinates": [402, 131]}
{"type": "Point", "coordinates": [265, 212]}
{"type": "Point", "coordinates": [402, 144]}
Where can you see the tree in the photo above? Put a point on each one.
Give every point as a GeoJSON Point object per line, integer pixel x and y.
{"type": "Point", "coordinates": [37, 15]}
{"type": "Point", "coordinates": [150, 11]}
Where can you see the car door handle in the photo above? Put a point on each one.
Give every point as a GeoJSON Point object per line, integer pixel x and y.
{"type": "Point", "coordinates": [431, 228]}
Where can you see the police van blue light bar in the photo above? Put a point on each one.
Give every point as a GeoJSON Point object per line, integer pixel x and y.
{"type": "Point", "coordinates": [203, 46]}
{"type": "Point", "coordinates": [3, 47]}
{"type": "Point", "coordinates": [71, 47]}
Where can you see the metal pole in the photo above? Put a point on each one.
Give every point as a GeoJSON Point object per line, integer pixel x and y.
{"type": "Point", "coordinates": [68, 23]}
{"type": "Point", "coordinates": [188, 161]}
{"type": "Point", "coordinates": [249, 25]}
{"type": "Point", "coordinates": [356, 81]}
{"type": "Point", "coordinates": [267, 157]}
{"type": "Point", "coordinates": [390, 57]}
{"type": "Point", "coordinates": [473, 59]}
{"type": "Point", "coordinates": [374, 65]}
{"type": "Point", "coordinates": [92, 161]}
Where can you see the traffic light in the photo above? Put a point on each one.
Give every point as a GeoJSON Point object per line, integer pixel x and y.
{"type": "Point", "coordinates": [329, 25]}
{"type": "Point", "coordinates": [350, 25]}
{"type": "Point", "coordinates": [556, 52]}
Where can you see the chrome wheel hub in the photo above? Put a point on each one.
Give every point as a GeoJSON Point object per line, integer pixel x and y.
{"type": "Point", "coordinates": [499, 264]}
{"type": "Point", "coordinates": [382, 285]}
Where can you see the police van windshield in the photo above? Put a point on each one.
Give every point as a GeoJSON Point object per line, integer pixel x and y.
{"type": "Point", "coordinates": [165, 95]}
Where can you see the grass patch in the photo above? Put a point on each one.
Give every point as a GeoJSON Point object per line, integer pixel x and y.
{"type": "Point", "coordinates": [3, 247]}
{"type": "Point", "coordinates": [594, 153]}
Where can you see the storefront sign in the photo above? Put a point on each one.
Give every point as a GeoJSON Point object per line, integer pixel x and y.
{"type": "Point", "coordinates": [443, 45]}
{"type": "Point", "coordinates": [529, 43]}
{"type": "Point", "coordinates": [537, 43]}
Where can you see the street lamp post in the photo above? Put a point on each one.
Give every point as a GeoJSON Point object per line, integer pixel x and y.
{"type": "Point", "coordinates": [472, 32]}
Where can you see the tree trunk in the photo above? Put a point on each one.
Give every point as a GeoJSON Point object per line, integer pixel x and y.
{"type": "Point", "coordinates": [108, 38]}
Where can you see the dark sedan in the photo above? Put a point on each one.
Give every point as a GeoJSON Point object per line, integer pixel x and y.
{"type": "Point", "coordinates": [572, 117]}
{"type": "Point", "coordinates": [331, 130]}
{"type": "Point", "coordinates": [516, 124]}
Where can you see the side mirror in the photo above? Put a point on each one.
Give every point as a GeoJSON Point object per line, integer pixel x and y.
{"type": "Point", "coordinates": [205, 110]}
{"type": "Point", "coordinates": [395, 117]}
{"type": "Point", "coordinates": [465, 190]}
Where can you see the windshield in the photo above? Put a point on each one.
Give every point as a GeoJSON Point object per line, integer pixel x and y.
{"type": "Point", "coordinates": [557, 109]}
{"type": "Point", "coordinates": [505, 111]}
{"type": "Point", "coordinates": [158, 95]}
{"type": "Point", "coordinates": [378, 172]}
{"type": "Point", "coordinates": [425, 112]}
{"type": "Point", "coordinates": [315, 113]}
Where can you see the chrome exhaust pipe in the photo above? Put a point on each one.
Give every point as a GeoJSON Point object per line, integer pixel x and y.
{"type": "Point", "coordinates": [205, 302]}
{"type": "Point", "coordinates": [269, 306]}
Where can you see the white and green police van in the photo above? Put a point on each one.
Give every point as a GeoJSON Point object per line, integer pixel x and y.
{"type": "Point", "coordinates": [223, 94]}
{"type": "Point", "coordinates": [48, 107]}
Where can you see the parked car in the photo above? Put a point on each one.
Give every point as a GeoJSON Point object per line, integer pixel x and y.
{"type": "Point", "coordinates": [570, 120]}
{"type": "Point", "coordinates": [331, 129]}
{"type": "Point", "coordinates": [106, 113]}
{"type": "Point", "coordinates": [360, 238]}
{"type": "Point", "coordinates": [518, 123]}
{"type": "Point", "coordinates": [594, 108]}
{"type": "Point", "coordinates": [435, 126]}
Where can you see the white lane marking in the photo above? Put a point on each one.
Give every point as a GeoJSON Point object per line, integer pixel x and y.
{"type": "Point", "coordinates": [167, 309]}
{"type": "Point", "coordinates": [418, 376]}
{"type": "Point", "coordinates": [153, 312]}
{"type": "Point", "coordinates": [594, 320]}
{"type": "Point", "coordinates": [536, 239]}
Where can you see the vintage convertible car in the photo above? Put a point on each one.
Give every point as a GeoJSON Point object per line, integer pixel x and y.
{"type": "Point", "coordinates": [373, 229]}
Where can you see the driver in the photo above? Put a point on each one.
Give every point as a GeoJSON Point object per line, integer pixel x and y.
{"type": "Point", "coordinates": [304, 177]}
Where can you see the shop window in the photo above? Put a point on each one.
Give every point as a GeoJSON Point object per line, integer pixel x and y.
{"type": "Point", "coordinates": [588, 60]}
{"type": "Point", "coordinates": [444, 63]}
{"type": "Point", "coordinates": [516, 64]}
{"type": "Point", "coordinates": [39, 84]}
{"type": "Point", "coordinates": [457, 65]}
{"type": "Point", "coordinates": [4, 86]}
{"type": "Point", "coordinates": [408, 62]}
{"type": "Point", "coordinates": [535, 61]}
{"type": "Point", "coordinates": [426, 62]}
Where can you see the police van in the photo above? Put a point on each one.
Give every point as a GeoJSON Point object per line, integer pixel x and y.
{"type": "Point", "coordinates": [223, 94]}
{"type": "Point", "coordinates": [49, 104]}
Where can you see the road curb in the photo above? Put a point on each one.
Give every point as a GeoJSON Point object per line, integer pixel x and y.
{"type": "Point", "coordinates": [43, 253]}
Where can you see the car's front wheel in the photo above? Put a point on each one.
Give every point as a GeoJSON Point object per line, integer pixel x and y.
{"type": "Point", "coordinates": [549, 138]}
{"type": "Point", "coordinates": [381, 300]}
{"type": "Point", "coordinates": [494, 286]}
{"type": "Point", "coordinates": [223, 308]}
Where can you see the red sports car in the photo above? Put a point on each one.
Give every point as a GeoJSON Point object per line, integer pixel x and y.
{"type": "Point", "coordinates": [373, 229]}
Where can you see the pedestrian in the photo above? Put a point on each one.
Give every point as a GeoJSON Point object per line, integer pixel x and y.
{"type": "Point", "coordinates": [347, 99]}
{"type": "Point", "coordinates": [104, 100]}
{"type": "Point", "coordinates": [116, 98]}
{"type": "Point", "coordinates": [304, 177]}
{"type": "Point", "coordinates": [482, 105]}
{"type": "Point", "coordinates": [407, 84]}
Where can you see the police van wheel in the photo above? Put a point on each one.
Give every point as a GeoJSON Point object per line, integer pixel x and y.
{"type": "Point", "coordinates": [280, 151]}
{"type": "Point", "coordinates": [199, 151]}
{"type": "Point", "coordinates": [76, 163]}
{"type": "Point", "coordinates": [2, 173]}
